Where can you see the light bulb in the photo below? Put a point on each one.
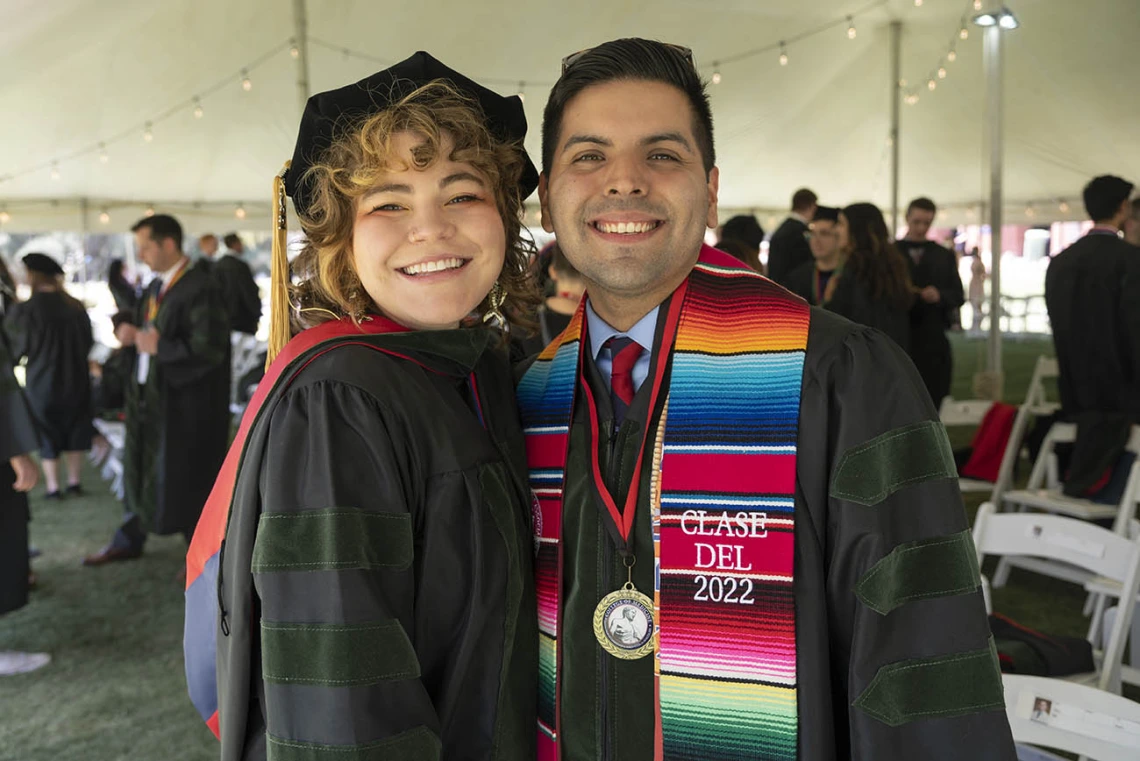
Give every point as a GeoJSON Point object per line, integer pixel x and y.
{"type": "Point", "coordinates": [295, 51]}
{"type": "Point", "coordinates": [1030, 211]}
{"type": "Point", "coordinates": [149, 211]}
{"type": "Point", "coordinates": [103, 157]}
{"type": "Point", "coordinates": [198, 112]}
{"type": "Point", "coordinates": [1064, 207]}
{"type": "Point", "coordinates": [902, 83]}
{"type": "Point", "coordinates": [55, 171]}
{"type": "Point", "coordinates": [716, 74]}
{"type": "Point", "coordinates": [246, 84]}
{"type": "Point", "coordinates": [239, 212]}
{"type": "Point", "coordinates": [104, 217]}
{"type": "Point", "coordinates": [851, 28]}
{"type": "Point", "coordinates": [5, 217]}
{"type": "Point", "coordinates": [917, 3]}
{"type": "Point", "coordinates": [783, 55]}
{"type": "Point", "coordinates": [148, 133]}
{"type": "Point", "coordinates": [951, 56]}
{"type": "Point", "coordinates": [942, 72]}
{"type": "Point", "coordinates": [977, 5]}
{"type": "Point", "coordinates": [931, 85]}
{"type": "Point", "coordinates": [911, 99]}
{"type": "Point", "coordinates": [964, 33]}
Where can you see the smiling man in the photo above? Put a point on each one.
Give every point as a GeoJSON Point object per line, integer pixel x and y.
{"type": "Point", "coordinates": [769, 482]}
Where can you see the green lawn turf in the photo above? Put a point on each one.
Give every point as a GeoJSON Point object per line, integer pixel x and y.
{"type": "Point", "coordinates": [115, 689]}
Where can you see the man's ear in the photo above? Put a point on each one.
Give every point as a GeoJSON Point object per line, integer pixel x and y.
{"type": "Point", "coordinates": [714, 192]}
{"type": "Point", "coordinates": [543, 198]}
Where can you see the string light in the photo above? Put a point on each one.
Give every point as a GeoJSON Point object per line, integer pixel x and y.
{"type": "Point", "coordinates": [1030, 211]}
{"type": "Point", "coordinates": [942, 72]}
{"type": "Point", "coordinates": [716, 73]}
{"type": "Point", "coordinates": [851, 28]}
{"type": "Point", "coordinates": [55, 170]}
{"type": "Point", "coordinates": [783, 54]}
{"type": "Point", "coordinates": [198, 112]}
{"type": "Point", "coordinates": [977, 5]}
{"type": "Point", "coordinates": [246, 83]}
{"type": "Point", "coordinates": [294, 51]}
{"type": "Point", "coordinates": [964, 33]}
{"type": "Point", "coordinates": [902, 83]}
{"type": "Point", "coordinates": [911, 99]}
{"type": "Point", "coordinates": [5, 217]}
{"type": "Point", "coordinates": [149, 211]}
{"type": "Point", "coordinates": [103, 157]}
{"type": "Point", "coordinates": [952, 56]}
{"type": "Point", "coordinates": [917, 3]}
{"type": "Point", "coordinates": [148, 133]}
{"type": "Point", "coordinates": [931, 85]}
{"type": "Point", "coordinates": [239, 212]}
{"type": "Point", "coordinates": [104, 217]}
{"type": "Point", "coordinates": [1064, 207]}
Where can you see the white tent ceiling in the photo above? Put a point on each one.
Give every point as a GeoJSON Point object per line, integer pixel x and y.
{"type": "Point", "coordinates": [74, 73]}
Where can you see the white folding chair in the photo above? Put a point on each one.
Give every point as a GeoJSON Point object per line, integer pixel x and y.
{"type": "Point", "coordinates": [1097, 551]}
{"type": "Point", "coordinates": [1072, 718]}
{"type": "Point", "coordinates": [1043, 492]}
{"type": "Point", "coordinates": [962, 413]}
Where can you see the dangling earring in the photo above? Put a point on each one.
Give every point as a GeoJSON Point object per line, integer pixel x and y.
{"type": "Point", "coordinates": [496, 300]}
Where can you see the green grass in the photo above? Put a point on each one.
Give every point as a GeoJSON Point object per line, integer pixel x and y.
{"type": "Point", "coordinates": [115, 688]}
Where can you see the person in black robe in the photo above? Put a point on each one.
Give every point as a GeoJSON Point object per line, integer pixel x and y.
{"type": "Point", "coordinates": [809, 280]}
{"type": "Point", "coordinates": [741, 237]}
{"type": "Point", "coordinates": [122, 290]}
{"type": "Point", "coordinates": [872, 287]}
{"type": "Point", "coordinates": [788, 247]}
{"type": "Point", "coordinates": [554, 313]}
{"type": "Point", "coordinates": [1091, 294]}
{"type": "Point", "coordinates": [177, 395]}
{"type": "Point", "coordinates": [7, 288]}
{"type": "Point", "coordinates": [380, 519]}
{"type": "Point", "coordinates": [18, 438]}
{"type": "Point", "coordinates": [239, 290]}
{"type": "Point", "coordinates": [52, 330]}
{"type": "Point", "coordinates": [934, 273]}
{"type": "Point", "coordinates": [863, 415]}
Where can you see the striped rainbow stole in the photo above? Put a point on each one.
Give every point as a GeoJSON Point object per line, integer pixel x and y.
{"type": "Point", "coordinates": [723, 528]}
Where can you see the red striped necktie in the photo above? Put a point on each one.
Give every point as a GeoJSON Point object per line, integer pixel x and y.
{"type": "Point", "coordinates": [625, 353]}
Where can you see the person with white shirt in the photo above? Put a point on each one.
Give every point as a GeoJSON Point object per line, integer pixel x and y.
{"type": "Point", "coordinates": [177, 397]}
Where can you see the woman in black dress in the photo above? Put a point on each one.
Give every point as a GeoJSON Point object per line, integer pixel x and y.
{"type": "Point", "coordinates": [872, 286]}
{"type": "Point", "coordinates": [53, 331]}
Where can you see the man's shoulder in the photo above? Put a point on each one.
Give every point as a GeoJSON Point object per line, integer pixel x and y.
{"type": "Point", "coordinates": [788, 228]}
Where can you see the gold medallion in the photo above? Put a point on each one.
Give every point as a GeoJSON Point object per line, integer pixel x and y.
{"type": "Point", "coordinates": [623, 623]}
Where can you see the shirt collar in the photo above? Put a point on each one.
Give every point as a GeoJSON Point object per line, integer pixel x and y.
{"type": "Point", "coordinates": [167, 276]}
{"type": "Point", "coordinates": [799, 218]}
{"type": "Point", "coordinates": [601, 331]}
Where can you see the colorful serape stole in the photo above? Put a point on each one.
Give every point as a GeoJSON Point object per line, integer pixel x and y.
{"type": "Point", "coordinates": [724, 529]}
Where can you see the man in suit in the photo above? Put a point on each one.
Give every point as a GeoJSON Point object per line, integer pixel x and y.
{"type": "Point", "coordinates": [934, 272]}
{"type": "Point", "coordinates": [810, 279]}
{"type": "Point", "coordinates": [239, 290]}
{"type": "Point", "coordinates": [789, 247]}
{"type": "Point", "coordinates": [1090, 292]}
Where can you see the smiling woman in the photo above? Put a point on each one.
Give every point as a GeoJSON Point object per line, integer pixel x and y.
{"type": "Point", "coordinates": [363, 567]}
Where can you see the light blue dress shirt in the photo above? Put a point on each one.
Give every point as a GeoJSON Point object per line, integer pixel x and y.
{"type": "Point", "coordinates": [601, 331]}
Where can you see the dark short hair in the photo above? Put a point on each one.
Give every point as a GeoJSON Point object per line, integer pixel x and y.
{"type": "Point", "coordinates": [161, 227]}
{"type": "Point", "coordinates": [231, 240]}
{"type": "Point", "coordinates": [629, 59]}
{"type": "Point", "coordinates": [1136, 208]}
{"type": "Point", "coordinates": [803, 198]}
{"type": "Point", "coordinates": [1104, 195]}
{"type": "Point", "coordinates": [124, 316]}
{"type": "Point", "coordinates": [923, 204]}
{"type": "Point", "coordinates": [744, 228]}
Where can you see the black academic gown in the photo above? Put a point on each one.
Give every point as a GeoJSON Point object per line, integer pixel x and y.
{"type": "Point", "coordinates": [17, 436]}
{"type": "Point", "coordinates": [53, 331]}
{"type": "Point", "coordinates": [875, 479]}
{"type": "Point", "coordinates": [803, 279]}
{"type": "Point", "coordinates": [853, 299]}
{"type": "Point", "coordinates": [239, 293]}
{"type": "Point", "coordinates": [788, 248]}
{"type": "Point", "coordinates": [382, 516]}
{"type": "Point", "coordinates": [1091, 292]}
{"type": "Point", "coordinates": [178, 421]}
{"type": "Point", "coordinates": [932, 264]}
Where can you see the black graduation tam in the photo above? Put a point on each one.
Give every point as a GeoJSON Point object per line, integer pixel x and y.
{"type": "Point", "coordinates": [328, 112]}
{"type": "Point", "coordinates": [826, 214]}
{"type": "Point", "coordinates": [42, 263]}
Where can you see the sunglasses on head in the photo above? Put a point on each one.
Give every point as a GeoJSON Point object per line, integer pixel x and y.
{"type": "Point", "coordinates": [573, 58]}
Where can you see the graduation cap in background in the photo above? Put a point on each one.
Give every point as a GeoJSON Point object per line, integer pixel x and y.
{"type": "Point", "coordinates": [43, 264]}
{"type": "Point", "coordinates": [328, 114]}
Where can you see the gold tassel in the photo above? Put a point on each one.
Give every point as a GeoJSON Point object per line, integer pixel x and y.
{"type": "Point", "coordinates": [279, 334]}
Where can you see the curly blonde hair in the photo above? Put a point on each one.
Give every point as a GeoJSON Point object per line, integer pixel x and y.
{"type": "Point", "coordinates": [329, 285]}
